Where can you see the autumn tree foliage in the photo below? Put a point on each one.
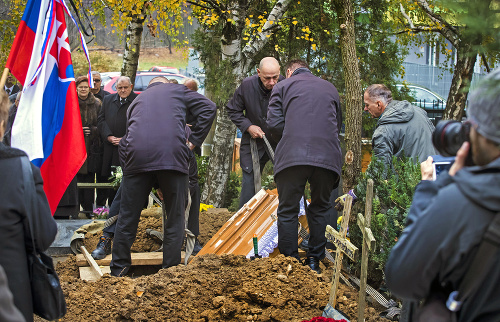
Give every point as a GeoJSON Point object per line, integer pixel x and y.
{"type": "Point", "coordinates": [470, 26]}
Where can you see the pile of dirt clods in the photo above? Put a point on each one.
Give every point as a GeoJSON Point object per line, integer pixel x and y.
{"type": "Point", "coordinates": [209, 288]}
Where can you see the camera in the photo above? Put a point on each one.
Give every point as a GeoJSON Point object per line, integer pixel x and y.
{"type": "Point", "coordinates": [449, 136]}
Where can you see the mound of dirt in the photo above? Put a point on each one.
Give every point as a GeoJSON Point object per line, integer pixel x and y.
{"type": "Point", "coordinates": [210, 288]}
{"type": "Point", "coordinates": [210, 222]}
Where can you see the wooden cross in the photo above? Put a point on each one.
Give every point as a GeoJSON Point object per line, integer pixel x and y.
{"type": "Point", "coordinates": [343, 246]}
{"type": "Point", "coordinates": [368, 244]}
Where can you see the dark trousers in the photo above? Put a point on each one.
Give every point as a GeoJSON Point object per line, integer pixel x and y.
{"type": "Point", "coordinates": [114, 210]}
{"type": "Point", "coordinates": [247, 183]}
{"type": "Point", "coordinates": [135, 191]}
{"type": "Point", "coordinates": [102, 194]}
{"type": "Point", "coordinates": [291, 183]}
{"type": "Point", "coordinates": [194, 212]}
{"type": "Point", "coordinates": [86, 196]}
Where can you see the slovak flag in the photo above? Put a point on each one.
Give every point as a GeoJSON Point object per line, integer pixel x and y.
{"type": "Point", "coordinates": [48, 126]}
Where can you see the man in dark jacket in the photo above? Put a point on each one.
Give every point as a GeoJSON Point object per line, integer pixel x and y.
{"type": "Point", "coordinates": [448, 218]}
{"type": "Point", "coordinates": [248, 111]}
{"type": "Point", "coordinates": [155, 148]}
{"type": "Point", "coordinates": [402, 129]}
{"type": "Point", "coordinates": [304, 115]}
{"type": "Point", "coordinates": [98, 89]}
{"type": "Point", "coordinates": [112, 124]}
{"type": "Point", "coordinates": [10, 86]}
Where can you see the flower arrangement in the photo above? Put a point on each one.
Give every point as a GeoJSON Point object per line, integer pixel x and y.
{"type": "Point", "coordinates": [116, 176]}
{"type": "Point", "coordinates": [323, 319]}
{"type": "Point", "coordinates": [204, 207]}
{"type": "Point", "coordinates": [101, 213]}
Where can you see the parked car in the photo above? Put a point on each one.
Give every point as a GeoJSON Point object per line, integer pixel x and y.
{"type": "Point", "coordinates": [107, 76]}
{"type": "Point", "coordinates": [433, 103]}
{"type": "Point", "coordinates": [164, 69]}
{"type": "Point", "coordinates": [142, 80]}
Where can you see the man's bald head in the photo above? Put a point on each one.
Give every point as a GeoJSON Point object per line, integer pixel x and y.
{"type": "Point", "coordinates": [159, 79]}
{"type": "Point", "coordinates": [191, 84]}
{"type": "Point", "coordinates": [269, 72]}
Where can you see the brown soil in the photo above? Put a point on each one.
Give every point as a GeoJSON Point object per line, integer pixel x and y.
{"type": "Point", "coordinates": [209, 288]}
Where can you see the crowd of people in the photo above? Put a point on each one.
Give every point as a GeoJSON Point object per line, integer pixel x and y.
{"type": "Point", "coordinates": [294, 121]}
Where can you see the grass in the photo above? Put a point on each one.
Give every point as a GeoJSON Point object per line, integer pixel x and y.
{"type": "Point", "coordinates": [108, 61]}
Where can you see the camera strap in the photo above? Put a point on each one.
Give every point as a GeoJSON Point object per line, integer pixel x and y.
{"type": "Point", "coordinates": [477, 271]}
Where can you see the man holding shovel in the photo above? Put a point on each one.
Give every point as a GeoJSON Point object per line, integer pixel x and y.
{"type": "Point", "coordinates": [304, 116]}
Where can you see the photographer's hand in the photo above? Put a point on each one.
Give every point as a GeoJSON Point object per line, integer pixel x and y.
{"type": "Point", "coordinates": [460, 159]}
{"type": "Point", "coordinates": [426, 168]}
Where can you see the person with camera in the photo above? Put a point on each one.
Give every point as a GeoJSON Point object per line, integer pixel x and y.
{"type": "Point", "coordinates": [449, 218]}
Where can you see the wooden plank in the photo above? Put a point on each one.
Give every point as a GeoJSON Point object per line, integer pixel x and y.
{"type": "Point", "coordinates": [367, 243]}
{"type": "Point", "coordinates": [339, 255]}
{"type": "Point", "coordinates": [91, 261]}
{"type": "Point", "coordinates": [88, 274]}
{"type": "Point", "coordinates": [138, 259]}
{"type": "Point", "coordinates": [345, 245]}
{"type": "Point", "coordinates": [368, 238]}
{"type": "Point", "coordinates": [94, 185]}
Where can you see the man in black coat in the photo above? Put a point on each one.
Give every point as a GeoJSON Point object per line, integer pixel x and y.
{"type": "Point", "coordinates": [248, 111]}
{"type": "Point", "coordinates": [304, 115]}
{"type": "Point", "coordinates": [98, 89]}
{"type": "Point", "coordinates": [155, 148]}
{"type": "Point", "coordinates": [112, 124]}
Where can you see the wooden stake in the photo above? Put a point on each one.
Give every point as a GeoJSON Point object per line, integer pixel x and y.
{"type": "Point", "coordinates": [368, 244]}
{"type": "Point", "coordinates": [91, 261]}
{"type": "Point", "coordinates": [4, 77]}
{"type": "Point", "coordinates": [339, 253]}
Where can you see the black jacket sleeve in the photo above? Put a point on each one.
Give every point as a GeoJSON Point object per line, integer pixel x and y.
{"type": "Point", "coordinates": [103, 127]}
{"type": "Point", "coordinates": [236, 107]}
{"type": "Point", "coordinates": [44, 225]}
{"type": "Point", "coordinates": [275, 115]}
{"type": "Point", "coordinates": [200, 114]}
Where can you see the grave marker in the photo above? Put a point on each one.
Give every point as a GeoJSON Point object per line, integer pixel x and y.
{"type": "Point", "coordinates": [368, 244]}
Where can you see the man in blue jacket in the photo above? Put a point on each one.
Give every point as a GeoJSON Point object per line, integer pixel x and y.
{"type": "Point", "coordinates": [304, 115]}
{"type": "Point", "coordinates": [448, 218]}
{"type": "Point", "coordinates": [154, 148]}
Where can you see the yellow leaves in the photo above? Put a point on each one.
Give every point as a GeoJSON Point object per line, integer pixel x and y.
{"type": "Point", "coordinates": [271, 22]}
{"type": "Point", "coordinates": [267, 36]}
{"type": "Point", "coordinates": [383, 52]}
{"type": "Point", "coordinates": [276, 47]}
{"type": "Point", "coordinates": [245, 38]}
{"type": "Point", "coordinates": [295, 22]}
{"type": "Point", "coordinates": [313, 46]}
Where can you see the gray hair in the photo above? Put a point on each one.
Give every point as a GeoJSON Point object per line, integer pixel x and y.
{"type": "Point", "coordinates": [96, 73]}
{"type": "Point", "coordinates": [379, 92]}
{"type": "Point", "coordinates": [124, 78]}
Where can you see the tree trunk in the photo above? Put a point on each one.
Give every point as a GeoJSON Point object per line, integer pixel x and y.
{"type": "Point", "coordinates": [462, 77]}
{"type": "Point", "coordinates": [353, 95]}
{"type": "Point", "coordinates": [219, 166]}
{"type": "Point", "coordinates": [132, 47]}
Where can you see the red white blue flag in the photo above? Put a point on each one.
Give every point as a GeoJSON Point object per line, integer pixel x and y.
{"type": "Point", "coordinates": [48, 126]}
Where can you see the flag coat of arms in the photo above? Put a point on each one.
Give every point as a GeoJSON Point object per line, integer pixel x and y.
{"type": "Point", "coordinates": [48, 126]}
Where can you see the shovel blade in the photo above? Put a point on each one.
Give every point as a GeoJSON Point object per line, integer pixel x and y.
{"type": "Point", "coordinates": [332, 313]}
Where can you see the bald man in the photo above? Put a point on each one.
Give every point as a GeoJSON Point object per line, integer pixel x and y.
{"type": "Point", "coordinates": [248, 111]}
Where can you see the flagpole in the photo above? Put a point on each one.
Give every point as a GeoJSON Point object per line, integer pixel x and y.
{"type": "Point", "coordinates": [4, 77]}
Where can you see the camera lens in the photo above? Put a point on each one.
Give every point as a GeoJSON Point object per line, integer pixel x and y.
{"type": "Point", "coordinates": [449, 136]}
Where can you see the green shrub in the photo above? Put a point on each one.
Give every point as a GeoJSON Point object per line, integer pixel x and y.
{"type": "Point", "coordinates": [233, 189]}
{"type": "Point", "coordinates": [101, 62]}
{"type": "Point", "coordinates": [391, 202]}
{"type": "Point", "coordinates": [202, 162]}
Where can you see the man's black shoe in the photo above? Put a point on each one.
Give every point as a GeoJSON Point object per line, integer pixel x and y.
{"type": "Point", "coordinates": [313, 263]}
{"type": "Point", "coordinates": [103, 248]}
{"type": "Point", "coordinates": [197, 247]}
